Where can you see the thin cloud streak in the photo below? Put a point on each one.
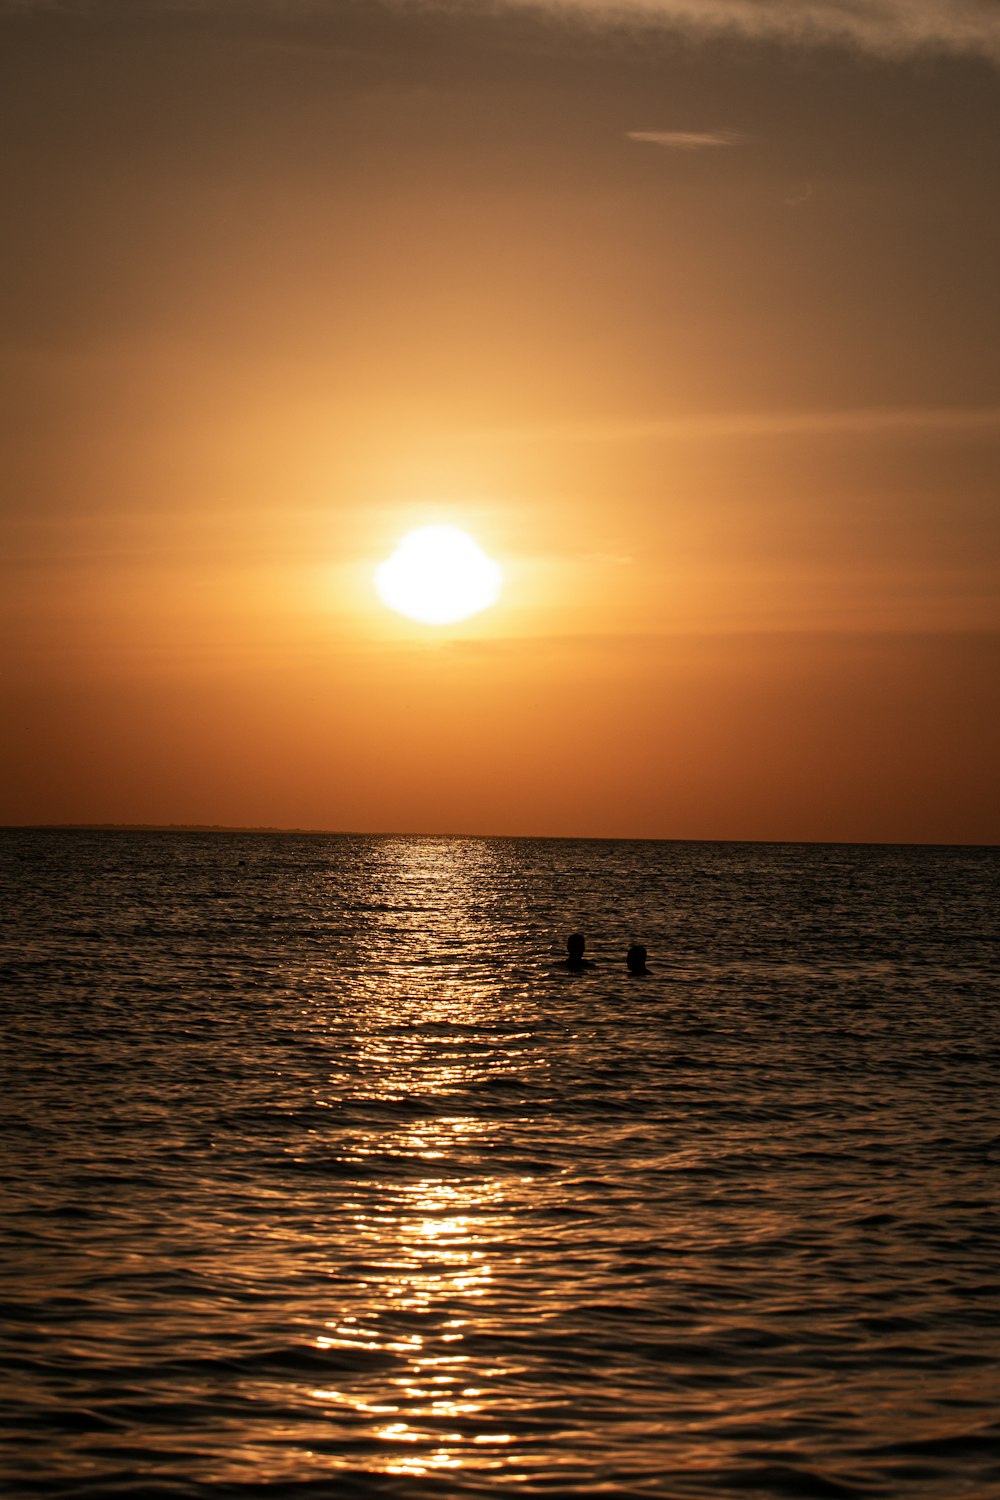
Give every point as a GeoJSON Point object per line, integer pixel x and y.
{"type": "Point", "coordinates": [687, 140]}
{"type": "Point", "coordinates": [756, 424]}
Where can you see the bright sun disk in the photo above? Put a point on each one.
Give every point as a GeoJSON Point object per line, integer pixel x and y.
{"type": "Point", "coordinates": [437, 575]}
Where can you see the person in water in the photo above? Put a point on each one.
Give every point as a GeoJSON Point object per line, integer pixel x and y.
{"type": "Point", "coordinates": [575, 960]}
{"type": "Point", "coordinates": [635, 959]}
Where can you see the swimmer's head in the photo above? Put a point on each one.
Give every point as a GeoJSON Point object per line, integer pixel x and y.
{"type": "Point", "coordinates": [635, 959]}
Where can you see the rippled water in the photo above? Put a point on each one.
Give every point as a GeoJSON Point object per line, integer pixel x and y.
{"type": "Point", "coordinates": [322, 1179]}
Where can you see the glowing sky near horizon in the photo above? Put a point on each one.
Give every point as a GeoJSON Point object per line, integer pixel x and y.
{"type": "Point", "coordinates": [689, 317]}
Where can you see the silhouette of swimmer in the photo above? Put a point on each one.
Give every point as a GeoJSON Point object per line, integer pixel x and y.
{"type": "Point", "coordinates": [575, 961]}
{"type": "Point", "coordinates": [635, 959]}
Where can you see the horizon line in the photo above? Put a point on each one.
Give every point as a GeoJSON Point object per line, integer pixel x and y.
{"type": "Point", "coordinates": [607, 838]}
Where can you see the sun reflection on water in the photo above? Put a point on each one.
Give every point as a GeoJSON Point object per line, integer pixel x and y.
{"type": "Point", "coordinates": [430, 1265]}
{"type": "Point", "coordinates": [426, 1224]}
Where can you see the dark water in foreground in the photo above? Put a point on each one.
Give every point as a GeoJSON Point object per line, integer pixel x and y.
{"type": "Point", "coordinates": [320, 1181]}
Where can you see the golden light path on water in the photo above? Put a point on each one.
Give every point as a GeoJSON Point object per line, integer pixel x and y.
{"type": "Point", "coordinates": [432, 1238]}
{"type": "Point", "coordinates": [437, 1260]}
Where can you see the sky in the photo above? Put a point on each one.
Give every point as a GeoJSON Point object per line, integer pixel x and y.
{"type": "Point", "coordinates": [688, 312]}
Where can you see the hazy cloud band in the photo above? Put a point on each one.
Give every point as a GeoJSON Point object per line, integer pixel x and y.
{"type": "Point", "coordinates": [887, 26]}
{"type": "Point", "coordinates": [697, 426]}
{"type": "Point", "coordinates": [884, 26]}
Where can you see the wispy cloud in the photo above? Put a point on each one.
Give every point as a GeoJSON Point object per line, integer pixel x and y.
{"type": "Point", "coordinates": [687, 140]}
{"type": "Point", "coordinates": [881, 25]}
{"type": "Point", "coordinates": [884, 26]}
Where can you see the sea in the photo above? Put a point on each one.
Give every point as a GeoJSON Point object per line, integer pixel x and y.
{"type": "Point", "coordinates": [323, 1175]}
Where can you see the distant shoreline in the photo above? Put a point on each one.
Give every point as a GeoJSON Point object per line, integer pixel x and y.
{"type": "Point", "coordinates": [165, 828]}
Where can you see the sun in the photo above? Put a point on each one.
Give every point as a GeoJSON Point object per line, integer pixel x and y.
{"type": "Point", "coordinates": [437, 575]}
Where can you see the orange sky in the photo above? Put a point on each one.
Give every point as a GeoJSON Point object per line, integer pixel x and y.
{"type": "Point", "coordinates": [695, 326]}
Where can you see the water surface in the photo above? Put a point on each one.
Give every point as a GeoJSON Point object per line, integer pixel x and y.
{"type": "Point", "coordinates": [322, 1178]}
